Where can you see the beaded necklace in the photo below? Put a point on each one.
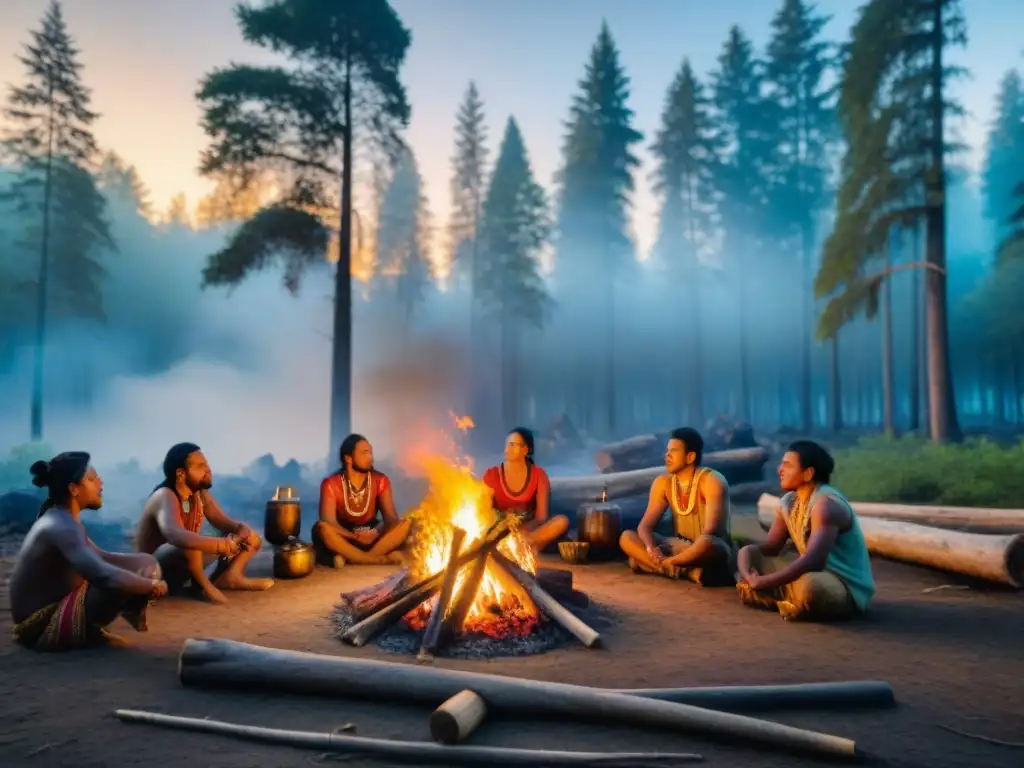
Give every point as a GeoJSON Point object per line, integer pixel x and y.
{"type": "Point", "coordinates": [352, 497]}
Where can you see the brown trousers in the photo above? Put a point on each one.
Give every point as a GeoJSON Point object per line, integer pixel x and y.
{"type": "Point", "coordinates": [820, 595]}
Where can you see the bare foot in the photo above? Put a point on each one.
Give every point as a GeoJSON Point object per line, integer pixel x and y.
{"type": "Point", "coordinates": [213, 595]}
{"type": "Point", "coordinates": [396, 558]}
{"type": "Point", "coordinates": [245, 584]}
{"type": "Point", "coordinates": [338, 562]}
{"type": "Point", "coordinates": [116, 641]}
{"type": "Point", "coordinates": [136, 619]}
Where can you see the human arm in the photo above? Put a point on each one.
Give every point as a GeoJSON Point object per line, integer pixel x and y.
{"type": "Point", "coordinates": [386, 503]}
{"type": "Point", "coordinates": [169, 522]}
{"type": "Point", "coordinates": [70, 540]}
{"type": "Point", "coordinates": [827, 517]}
{"type": "Point", "coordinates": [543, 507]}
{"type": "Point", "coordinates": [656, 505]}
{"type": "Point", "coordinates": [715, 493]}
{"type": "Point", "coordinates": [218, 517]}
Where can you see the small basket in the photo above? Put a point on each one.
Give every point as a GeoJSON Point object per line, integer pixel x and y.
{"type": "Point", "coordinates": [574, 551]}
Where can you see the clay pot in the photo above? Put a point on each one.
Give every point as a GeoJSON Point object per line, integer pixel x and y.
{"type": "Point", "coordinates": [294, 559]}
{"type": "Point", "coordinates": [599, 524]}
{"type": "Point", "coordinates": [283, 517]}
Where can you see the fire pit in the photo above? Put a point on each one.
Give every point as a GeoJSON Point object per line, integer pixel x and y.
{"type": "Point", "coordinates": [472, 588]}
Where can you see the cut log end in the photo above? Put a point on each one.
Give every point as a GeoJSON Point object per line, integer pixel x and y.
{"type": "Point", "coordinates": [457, 718]}
{"type": "Point", "coordinates": [1014, 561]}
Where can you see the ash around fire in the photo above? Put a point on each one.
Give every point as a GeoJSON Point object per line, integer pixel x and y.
{"type": "Point", "coordinates": [546, 636]}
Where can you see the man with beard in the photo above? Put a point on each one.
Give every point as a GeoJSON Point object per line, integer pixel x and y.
{"type": "Point", "coordinates": [170, 524]}
{"type": "Point", "coordinates": [698, 497]}
{"type": "Point", "coordinates": [831, 576]}
{"type": "Point", "coordinates": [358, 523]}
{"type": "Point", "coordinates": [65, 590]}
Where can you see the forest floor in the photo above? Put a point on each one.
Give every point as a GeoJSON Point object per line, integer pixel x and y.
{"type": "Point", "coordinates": [948, 653]}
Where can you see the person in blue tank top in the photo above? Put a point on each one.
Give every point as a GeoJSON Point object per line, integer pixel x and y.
{"type": "Point", "coordinates": [831, 576]}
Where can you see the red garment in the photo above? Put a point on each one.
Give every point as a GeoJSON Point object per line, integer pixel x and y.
{"type": "Point", "coordinates": [505, 499]}
{"type": "Point", "coordinates": [333, 486]}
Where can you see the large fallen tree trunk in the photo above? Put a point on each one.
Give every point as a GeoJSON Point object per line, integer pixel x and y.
{"type": "Point", "coordinates": [214, 663]}
{"type": "Point", "coordinates": [637, 452]}
{"type": "Point", "coordinates": [743, 465]}
{"type": "Point", "coordinates": [771, 698]}
{"type": "Point", "coordinates": [970, 519]}
{"type": "Point", "coordinates": [992, 558]}
{"type": "Point", "coordinates": [403, 752]}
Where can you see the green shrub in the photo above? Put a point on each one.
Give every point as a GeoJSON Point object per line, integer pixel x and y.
{"type": "Point", "coordinates": [14, 469]}
{"type": "Point", "coordinates": [976, 473]}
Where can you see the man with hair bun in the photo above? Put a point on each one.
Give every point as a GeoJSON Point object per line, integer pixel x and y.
{"type": "Point", "coordinates": [831, 575]}
{"type": "Point", "coordinates": [698, 498]}
{"type": "Point", "coordinates": [65, 590]}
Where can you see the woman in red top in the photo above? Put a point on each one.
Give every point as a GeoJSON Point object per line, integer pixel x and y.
{"type": "Point", "coordinates": [519, 484]}
{"type": "Point", "coordinates": [358, 522]}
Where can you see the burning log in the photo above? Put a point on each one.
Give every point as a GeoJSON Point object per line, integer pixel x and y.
{"type": "Point", "coordinates": [992, 558]}
{"type": "Point", "coordinates": [432, 635]}
{"type": "Point", "coordinates": [362, 602]}
{"type": "Point", "coordinates": [554, 610]}
{"type": "Point", "coordinates": [453, 622]}
{"type": "Point", "coordinates": [457, 718]}
{"type": "Point", "coordinates": [212, 663]}
{"type": "Point", "coordinates": [397, 605]}
{"type": "Point", "coordinates": [738, 466]}
{"type": "Point", "coordinates": [404, 752]}
{"type": "Point", "coordinates": [969, 519]}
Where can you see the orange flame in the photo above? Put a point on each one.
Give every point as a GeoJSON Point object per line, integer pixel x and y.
{"type": "Point", "coordinates": [455, 498]}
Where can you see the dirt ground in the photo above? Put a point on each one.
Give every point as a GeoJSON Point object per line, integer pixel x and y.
{"type": "Point", "coordinates": [953, 656]}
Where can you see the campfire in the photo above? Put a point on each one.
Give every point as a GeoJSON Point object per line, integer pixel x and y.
{"type": "Point", "coordinates": [470, 572]}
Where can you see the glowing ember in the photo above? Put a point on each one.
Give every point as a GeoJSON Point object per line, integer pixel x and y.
{"type": "Point", "coordinates": [457, 499]}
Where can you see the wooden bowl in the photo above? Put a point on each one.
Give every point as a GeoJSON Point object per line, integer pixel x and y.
{"type": "Point", "coordinates": [574, 551]}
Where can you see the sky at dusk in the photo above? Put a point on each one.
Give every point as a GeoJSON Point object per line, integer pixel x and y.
{"type": "Point", "coordinates": [143, 60]}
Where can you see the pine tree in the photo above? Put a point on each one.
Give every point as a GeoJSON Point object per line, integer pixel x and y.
{"type": "Point", "coordinates": [894, 109]}
{"type": "Point", "coordinates": [743, 127]}
{"type": "Point", "coordinates": [514, 228]}
{"type": "Point", "coordinates": [685, 152]}
{"type": "Point", "coordinates": [797, 70]}
{"type": "Point", "coordinates": [300, 122]}
{"type": "Point", "coordinates": [231, 201]}
{"type": "Point", "coordinates": [403, 235]}
{"type": "Point", "coordinates": [596, 186]}
{"type": "Point", "coordinates": [121, 183]}
{"type": "Point", "coordinates": [1003, 167]}
{"type": "Point", "coordinates": [177, 215]}
{"type": "Point", "coordinates": [468, 184]}
{"type": "Point", "coordinates": [51, 147]}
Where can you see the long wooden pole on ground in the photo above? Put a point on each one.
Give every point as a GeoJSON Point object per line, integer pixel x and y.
{"type": "Point", "coordinates": [993, 558]}
{"type": "Point", "coordinates": [216, 663]}
{"type": "Point", "coordinates": [406, 752]}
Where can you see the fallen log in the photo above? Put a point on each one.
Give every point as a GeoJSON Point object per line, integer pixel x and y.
{"type": "Point", "coordinates": [742, 465]}
{"type": "Point", "coordinates": [457, 718]}
{"type": "Point", "coordinates": [770, 698]}
{"type": "Point", "coordinates": [432, 634]}
{"type": "Point", "coordinates": [401, 603]}
{"type": "Point", "coordinates": [404, 752]}
{"type": "Point", "coordinates": [991, 558]}
{"type": "Point", "coordinates": [969, 519]}
{"type": "Point", "coordinates": [213, 663]}
{"type": "Point", "coordinates": [553, 609]}
{"type": "Point", "coordinates": [637, 452]}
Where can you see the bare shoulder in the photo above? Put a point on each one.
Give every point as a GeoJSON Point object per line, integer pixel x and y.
{"type": "Point", "coordinates": [713, 481]}
{"type": "Point", "coordinates": [830, 511]}
{"type": "Point", "coordinates": [157, 499]}
{"type": "Point", "coordinates": [54, 525]}
{"type": "Point", "coordinates": [660, 484]}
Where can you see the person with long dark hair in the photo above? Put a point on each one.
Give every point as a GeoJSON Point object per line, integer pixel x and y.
{"type": "Point", "coordinates": [831, 576]}
{"type": "Point", "coordinates": [358, 522]}
{"type": "Point", "coordinates": [169, 529]}
{"type": "Point", "coordinates": [698, 497]}
{"type": "Point", "coordinates": [65, 590]}
{"type": "Point", "coordinates": [519, 485]}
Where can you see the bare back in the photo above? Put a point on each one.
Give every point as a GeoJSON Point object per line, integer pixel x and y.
{"type": "Point", "coordinates": [43, 573]}
{"type": "Point", "coordinates": [149, 537]}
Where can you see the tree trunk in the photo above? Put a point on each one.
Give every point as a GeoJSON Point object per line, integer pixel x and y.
{"type": "Point", "coordinates": [806, 390]}
{"type": "Point", "coordinates": [744, 406]}
{"type": "Point", "coordinates": [917, 356]}
{"type": "Point", "coordinates": [44, 279]}
{"type": "Point", "coordinates": [887, 355]}
{"type": "Point", "coordinates": [611, 393]}
{"type": "Point", "coordinates": [835, 399]}
{"type": "Point", "coordinates": [942, 417]}
{"type": "Point", "coordinates": [341, 358]}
